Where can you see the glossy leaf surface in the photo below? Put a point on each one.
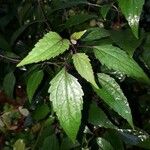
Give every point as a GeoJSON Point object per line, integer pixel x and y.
{"type": "Point", "coordinates": [115, 58]}
{"type": "Point", "coordinates": [114, 97]}
{"type": "Point", "coordinates": [66, 96]}
{"type": "Point", "coordinates": [50, 46]}
{"type": "Point", "coordinates": [132, 10]}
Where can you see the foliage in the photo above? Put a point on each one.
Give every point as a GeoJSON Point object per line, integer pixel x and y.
{"type": "Point", "coordinates": [74, 74]}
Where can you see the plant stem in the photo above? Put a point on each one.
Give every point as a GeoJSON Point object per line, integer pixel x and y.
{"type": "Point", "coordinates": [13, 60]}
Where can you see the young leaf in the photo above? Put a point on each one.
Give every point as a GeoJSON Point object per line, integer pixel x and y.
{"type": "Point", "coordinates": [114, 97]}
{"type": "Point", "coordinates": [104, 144]}
{"type": "Point", "coordinates": [19, 145]}
{"type": "Point", "coordinates": [98, 118]}
{"type": "Point", "coordinates": [77, 35]}
{"type": "Point", "coordinates": [115, 58]}
{"type": "Point", "coordinates": [66, 96]}
{"type": "Point", "coordinates": [132, 10]}
{"type": "Point", "coordinates": [50, 46]}
{"type": "Point", "coordinates": [33, 83]}
{"type": "Point", "coordinates": [9, 83]}
{"type": "Point", "coordinates": [84, 68]}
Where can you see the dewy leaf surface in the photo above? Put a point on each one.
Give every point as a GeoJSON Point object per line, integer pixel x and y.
{"type": "Point", "coordinates": [132, 10]}
{"type": "Point", "coordinates": [84, 67]}
{"type": "Point", "coordinates": [66, 96]}
{"type": "Point", "coordinates": [50, 46]}
{"type": "Point", "coordinates": [115, 58]}
{"type": "Point", "coordinates": [112, 94]}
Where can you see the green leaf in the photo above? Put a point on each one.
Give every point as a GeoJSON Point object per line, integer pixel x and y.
{"type": "Point", "coordinates": [132, 10]}
{"type": "Point", "coordinates": [77, 35]}
{"type": "Point", "coordinates": [104, 144]}
{"type": "Point", "coordinates": [104, 10]}
{"type": "Point", "coordinates": [50, 46]}
{"type": "Point", "coordinates": [124, 38]}
{"type": "Point", "coordinates": [98, 118]}
{"type": "Point", "coordinates": [41, 112]}
{"type": "Point", "coordinates": [113, 137]}
{"type": "Point", "coordinates": [19, 145]}
{"type": "Point", "coordinates": [112, 94]}
{"type": "Point", "coordinates": [50, 143]}
{"type": "Point", "coordinates": [117, 59]}
{"type": "Point", "coordinates": [78, 19]}
{"type": "Point", "coordinates": [33, 83]}
{"type": "Point", "coordinates": [133, 137]}
{"type": "Point", "coordinates": [67, 144]}
{"type": "Point", "coordinates": [84, 68]}
{"type": "Point", "coordinates": [66, 96]}
{"type": "Point", "coordinates": [95, 34]}
{"type": "Point", "coordinates": [9, 83]}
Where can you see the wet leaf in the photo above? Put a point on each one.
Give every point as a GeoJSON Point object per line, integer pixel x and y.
{"type": "Point", "coordinates": [66, 96]}
{"type": "Point", "coordinates": [132, 10]}
{"type": "Point", "coordinates": [112, 94]}
{"type": "Point", "coordinates": [133, 137]}
{"type": "Point", "coordinates": [116, 59]}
